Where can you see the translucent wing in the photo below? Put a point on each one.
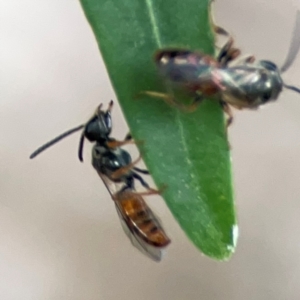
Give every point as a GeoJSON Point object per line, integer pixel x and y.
{"type": "Point", "coordinates": [134, 231]}
{"type": "Point", "coordinates": [152, 252]}
{"type": "Point", "coordinates": [294, 46]}
{"type": "Point", "coordinates": [141, 225]}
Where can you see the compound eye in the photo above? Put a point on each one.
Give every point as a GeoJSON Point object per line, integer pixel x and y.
{"type": "Point", "coordinates": [107, 118]}
{"type": "Point", "coordinates": [269, 65]}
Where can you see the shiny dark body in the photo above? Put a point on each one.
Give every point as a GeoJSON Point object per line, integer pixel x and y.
{"type": "Point", "coordinates": [250, 85]}
{"type": "Point", "coordinates": [107, 161]}
{"type": "Point", "coordinates": [242, 84]}
{"type": "Point", "coordinates": [247, 85]}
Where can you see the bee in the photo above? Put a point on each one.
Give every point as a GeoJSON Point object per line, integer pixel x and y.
{"type": "Point", "coordinates": [247, 84]}
{"type": "Point", "coordinates": [115, 167]}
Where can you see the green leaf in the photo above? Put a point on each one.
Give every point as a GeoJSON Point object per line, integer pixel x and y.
{"type": "Point", "coordinates": [186, 151]}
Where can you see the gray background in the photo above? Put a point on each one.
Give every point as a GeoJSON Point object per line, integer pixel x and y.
{"type": "Point", "coordinates": [60, 236]}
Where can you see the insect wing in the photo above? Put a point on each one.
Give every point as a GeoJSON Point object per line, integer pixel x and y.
{"type": "Point", "coordinates": [294, 46]}
{"type": "Point", "coordinates": [152, 252]}
{"type": "Point", "coordinates": [148, 234]}
{"type": "Point", "coordinates": [155, 253]}
{"type": "Point", "coordinates": [185, 67]}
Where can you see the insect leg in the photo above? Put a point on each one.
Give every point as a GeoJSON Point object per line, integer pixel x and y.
{"type": "Point", "coordinates": [129, 184]}
{"type": "Point", "coordinates": [196, 102]}
{"type": "Point", "coordinates": [116, 144]}
{"type": "Point", "coordinates": [163, 96]}
{"type": "Point", "coordinates": [170, 100]}
{"type": "Point", "coordinates": [128, 140]}
{"type": "Point", "coordinates": [141, 170]}
{"type": "Point", "coordinates": [228, 112]}
{"type": "Point", "coordinates": [141, 180]}
{"type": "Point", "coordinates": [122, 171]}
{"type": "Point", "coordinates": [246, 60]}
{"type": "Point", "coordinates": [150, 191]}
{"type": "Point", "coordinates": [217, 29]}
{"type": "Point", "coordinates": [249, 59]}
{"type": "Point", "coordinates": [228, 53]}
{"type": "Point", "coordinates": [128, 137]}
{"type": "Point", "coordinates": [220, 30]}
{"type": "Point", "coordinates": [153, 191]}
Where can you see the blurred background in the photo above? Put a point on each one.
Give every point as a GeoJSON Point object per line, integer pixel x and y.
{"type": "Point", "coordinates": [60, 237]}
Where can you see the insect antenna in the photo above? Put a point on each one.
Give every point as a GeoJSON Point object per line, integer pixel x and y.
{"type": "Point", "coordinates": [110, 106]}
{"type": "Point", "coordinates": [55, 140]}
{"type": "Point", "coordinates": [294, 46]}
{"type": "Point", "coordinates": [293, 88]}
{"type": "Point", "coordinates": [96, 114]}
{"type": "Point", "coordinates": [80, 148]}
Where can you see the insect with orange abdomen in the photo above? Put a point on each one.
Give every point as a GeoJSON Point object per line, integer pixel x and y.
{"type": "Point", "coordinates": [117, 170]}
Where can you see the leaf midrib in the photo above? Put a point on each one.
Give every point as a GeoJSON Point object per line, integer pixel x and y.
{"type": "Point", "coordinates": [156, 32]}
{"type": "Point", "coordinates": [177, 120]}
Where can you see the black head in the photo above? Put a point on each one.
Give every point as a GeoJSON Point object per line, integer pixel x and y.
{"type": "Point", "coordinates": [271, 81]}
{"type": "Point", "coordinates": [276, 81]}
{"type": "Point", "coordinates": [270, 66]}
{"type": "Point", "coordinates": [98, 128]}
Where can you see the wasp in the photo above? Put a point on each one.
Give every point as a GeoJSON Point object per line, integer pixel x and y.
{"type": "Point", "coordinates": [247, 84]}
{"type": "Point", "coordinates": [118, 172]}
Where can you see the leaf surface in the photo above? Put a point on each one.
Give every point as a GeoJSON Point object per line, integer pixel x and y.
{"type": "Point", "coordinates": [186, 151]}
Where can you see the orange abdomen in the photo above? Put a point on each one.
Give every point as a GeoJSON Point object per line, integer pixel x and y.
{"type": "Point", "coordinates": [141, 219]}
